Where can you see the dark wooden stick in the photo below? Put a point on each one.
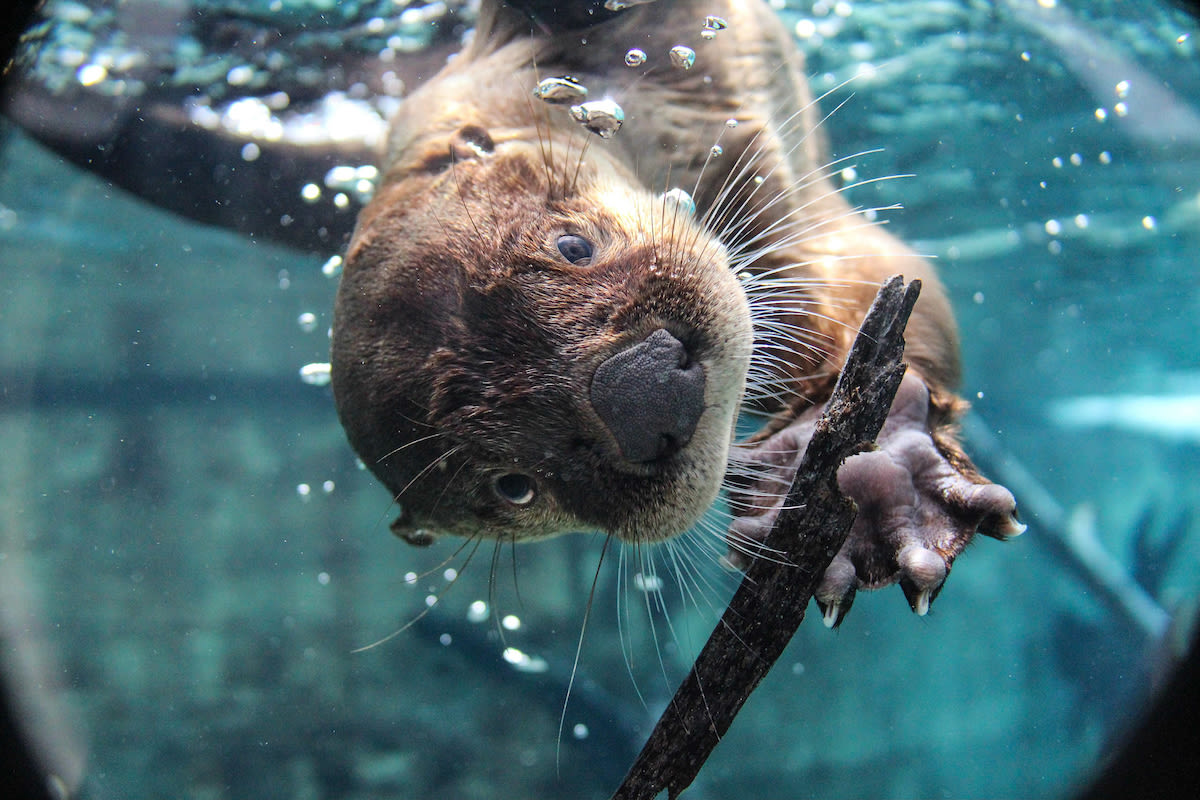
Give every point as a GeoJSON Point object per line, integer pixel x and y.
{"type": "Point", "coordinates": [770, 603]}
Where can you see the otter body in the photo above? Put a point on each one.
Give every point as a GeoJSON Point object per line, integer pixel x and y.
{"type": "Point", "coordinates": [537, 333]}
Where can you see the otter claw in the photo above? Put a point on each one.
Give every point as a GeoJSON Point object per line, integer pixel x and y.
{"type": "Point", "coordinates": [1003, 527]}
{"type": "Point", "coordinates": [916, 511]}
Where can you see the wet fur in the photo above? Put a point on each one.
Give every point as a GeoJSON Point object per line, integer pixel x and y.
{"type": "Point", "coordinates": [464, 345]}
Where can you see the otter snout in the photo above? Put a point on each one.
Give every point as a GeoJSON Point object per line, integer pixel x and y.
{"type": "Point", "coordinates": [650, 397]}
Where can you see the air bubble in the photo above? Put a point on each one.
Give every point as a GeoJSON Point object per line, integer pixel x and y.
{"type": "Point", "coordinates": [635, 57]}
{"type": "Point", "coordinates": [681, 199]}
{"type": "Point", "coordinates": [682, 57]}
{"type": "Point", "coordinates": [316, 374]}
{"type": "Point", "coordinates": [524, 662]}
{"type": "Point", "coordinates": [560, 91]}
{"type": "Point", "coordinates": [333, 267]}
{"type": "Point", "coordinates": [601, 117]}
{"type": "Point", "coordinates": [510, 622]}
{"type": "Point", "coordinates": [580, 731]}
{"type": "Point", "coordinates": [647, 583]}
{"type": "Point", "coordinates": [240, 75]}
{"type": "Point", "coordinates": [307, 321]}
{"type": "Point", "coordinates": [477, 612]}
{"type": "Point", "coordinates": [90, 74]}
{"type": "Point", "coordinates": [339, 176]}
{"type": "Point", "coordinates": [715, 151]}
{"type": "Point", "coordinates": [310, 193]}
{"type": "Point", "coordinates": [712, 24]}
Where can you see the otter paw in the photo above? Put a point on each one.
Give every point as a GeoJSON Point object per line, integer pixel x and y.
{"type": "Point", "coordinates": [916, 511]}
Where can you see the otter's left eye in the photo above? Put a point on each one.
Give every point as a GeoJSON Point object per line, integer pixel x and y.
{"type": "Point", "coordinates": [515, 488]}
{"type": "Point", "coordinates": [575, 249]}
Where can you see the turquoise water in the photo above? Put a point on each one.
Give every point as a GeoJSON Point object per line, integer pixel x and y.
{"type": "Point", "coordinates": [191, 557]}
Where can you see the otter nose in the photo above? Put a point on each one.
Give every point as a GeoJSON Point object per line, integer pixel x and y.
{"type": "Point", "coordinates": [650, 395]}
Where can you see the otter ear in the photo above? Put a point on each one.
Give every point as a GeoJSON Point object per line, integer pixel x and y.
{"type": "Point", "coordinates": [404, 529]}
{"type": "Point", "coordinates": [468, 143]}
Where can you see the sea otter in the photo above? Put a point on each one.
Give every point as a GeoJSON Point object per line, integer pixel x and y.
{"type": "Point", "coordinates": [542, 330]}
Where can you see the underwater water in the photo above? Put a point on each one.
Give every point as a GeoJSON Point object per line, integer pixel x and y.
{"type": "Point", "coordinates": [192, 561]}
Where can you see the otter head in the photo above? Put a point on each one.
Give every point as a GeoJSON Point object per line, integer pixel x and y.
{"type": "Point", "coordinates": [524, 348]}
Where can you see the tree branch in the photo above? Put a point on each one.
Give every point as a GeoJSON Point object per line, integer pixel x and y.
{"type": "Point", "coordinates": [770, 603]}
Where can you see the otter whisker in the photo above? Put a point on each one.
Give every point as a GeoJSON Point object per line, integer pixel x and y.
{"type": "Point", "coordinates": [742, 168]}
{"type": "Point", "coordinates": [437, 598]}
{"type": "Point", "coordinates": [587, 614]}
{"type": "Point", "coordinates": [735, 227]}
{"type": "Point", "coordinates": [624, 628]}
{"type": "Point", "coordinates": [406, 445]}
{"type": "Point", "coordinates": [728, 220]}
{"type": "Point", "coordinates": [448, 454]}
{"type": "Point", "coordinates": [735, 182]}
{"type": "Point", "coordinates": [794, 229]}
{"type": "Point", "coordinates": [461, 199]}
{"type": "Point", "coordinates": [650, 578]}
{"type": "Point", "coordinates": [579, 164]}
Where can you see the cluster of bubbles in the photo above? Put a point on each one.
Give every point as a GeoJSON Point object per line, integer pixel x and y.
{"type": "Point", "coordinates": [1120, 108]}
{"type": "Point", "coordinates": [605, 117]}
{"type": "Point", "coordinates": [347, 182]}
{"type": "Point", "coordinates": [602, 117]}
{"type": "Point", "coordinates": [336, 117]}
{"type": "Point", "coordinates": [305, 491]}
{"type": "Point", "coordinates": [319, 373]}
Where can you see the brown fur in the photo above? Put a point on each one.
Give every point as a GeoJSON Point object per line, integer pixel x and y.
{"type": "Point", "coordinates": [464, 344]}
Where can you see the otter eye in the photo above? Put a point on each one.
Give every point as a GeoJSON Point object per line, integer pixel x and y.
{"type": "Point", "coordinates": [515, 488]}
{"type": "Point", "coordinates": [575, 249]}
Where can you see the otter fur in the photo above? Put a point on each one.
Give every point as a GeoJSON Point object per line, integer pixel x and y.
{"type": "Point", "coordinates": [536, 333]}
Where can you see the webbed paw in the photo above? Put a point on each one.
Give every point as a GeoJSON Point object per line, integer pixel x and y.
{"type": "Point", "coordinates": [916, 511]}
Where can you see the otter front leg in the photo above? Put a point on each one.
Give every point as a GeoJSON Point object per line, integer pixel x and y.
{"type": "Point", "coordinates": [918, 506]}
